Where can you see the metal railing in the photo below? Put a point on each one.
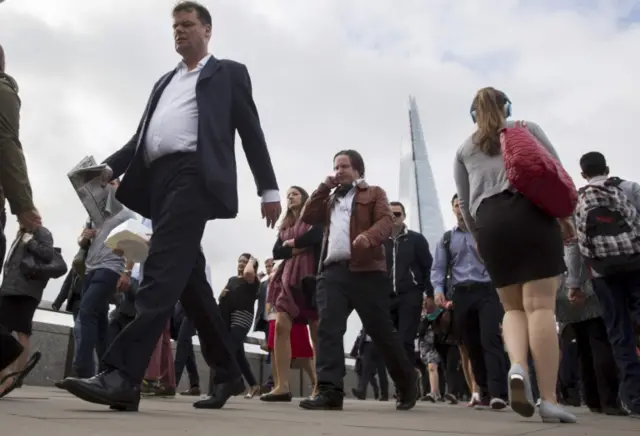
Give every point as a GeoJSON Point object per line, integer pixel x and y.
{"type": "Point", "coordinates": [249, 340]}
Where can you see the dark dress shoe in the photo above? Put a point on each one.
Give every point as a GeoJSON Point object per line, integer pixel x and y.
{"type": "Point", "coordinates": [328, 400]}
{"type": "Point", "coordinates": [285, 397]}
{"type": "Point", "coordinates": [614, 411]}
{"type": "Point", "coordinates": [193, 391]}
{"type": "Point", "coordinates": [383, 398]}
{"type": "Point", "coordinates": [221, 393]}
{"type": "Point", "coordinates": [110, 388]}
{"type": "Point", "coordinates": [407, 398]}
{"type": "Point", "coordinates": [358, 394]}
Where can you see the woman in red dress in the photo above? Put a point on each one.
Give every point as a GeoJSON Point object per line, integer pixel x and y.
{"type": "Point", "coordinates": [291, 296]}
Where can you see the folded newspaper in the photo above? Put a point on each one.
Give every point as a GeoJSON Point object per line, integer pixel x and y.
{"type": "Point", "coordinates": [132, 238]}
{"type": "Point", "coordinates": [99, 201]}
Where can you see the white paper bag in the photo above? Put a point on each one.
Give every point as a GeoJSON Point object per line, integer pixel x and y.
{"type": "Point", "coordinates": [131, 237]}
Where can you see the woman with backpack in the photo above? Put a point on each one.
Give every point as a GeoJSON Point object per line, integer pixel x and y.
{"type": "Point", "coordinates": [520, 242]}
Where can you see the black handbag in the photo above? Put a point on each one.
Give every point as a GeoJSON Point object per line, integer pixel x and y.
{"type": "Point", "coordinates": [35, 270]}
{"type": "Point", "coordinates": [78, 262]}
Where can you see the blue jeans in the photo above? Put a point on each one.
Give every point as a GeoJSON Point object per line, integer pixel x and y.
{"type": "Point", "coordinates": [619, 296]}
{"type": "Point", "coordinates": [185, 357]}
{"type": "Point", "coordinates": [92, 322]}
{"type": "Point", "coordinates": [238, 334]}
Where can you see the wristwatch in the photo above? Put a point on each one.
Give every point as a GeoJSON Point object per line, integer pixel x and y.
{"type": "Point", "coordinates": [127, 272]}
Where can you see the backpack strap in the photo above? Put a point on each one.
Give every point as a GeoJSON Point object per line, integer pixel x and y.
{"type": "Point", "coordinates": [613, 181]}
{"type": "Point", "coordinates": [446, 241]}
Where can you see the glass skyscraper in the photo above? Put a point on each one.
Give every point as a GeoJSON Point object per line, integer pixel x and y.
{"type": "Point", "coordinates": [417, 187]}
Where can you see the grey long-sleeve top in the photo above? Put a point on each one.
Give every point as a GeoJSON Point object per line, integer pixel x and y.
{"type": "Point", "coordinates": [479, 176]}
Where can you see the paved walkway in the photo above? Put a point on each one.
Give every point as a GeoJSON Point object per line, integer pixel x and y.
{"type": "Point", "coordinates": [48, 411]}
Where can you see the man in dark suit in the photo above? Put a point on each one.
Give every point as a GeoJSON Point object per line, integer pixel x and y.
{"type": "Point", "coordinates": [180, 172]}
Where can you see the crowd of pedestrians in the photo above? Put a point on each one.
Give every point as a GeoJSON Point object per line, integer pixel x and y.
{"type": "Point", "coordinates": [536, 280]}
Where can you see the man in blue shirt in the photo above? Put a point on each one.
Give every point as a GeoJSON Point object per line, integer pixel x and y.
{"type": "Point", "coordinates": [458, 275]}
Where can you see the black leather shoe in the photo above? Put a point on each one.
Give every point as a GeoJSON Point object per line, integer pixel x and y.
{"type": "Point", "coordinates": [329, 400]}
{"type": "Point", "coordinates": [222, 392]}
{"type": "Point", "coordinates": [110, 388]}
{"type": "Point", "coordinates": [407, 398]}
{"type": "Point", "coordinates": [276, 398]}
{"type": "Point", "coordinates": [383, 398]}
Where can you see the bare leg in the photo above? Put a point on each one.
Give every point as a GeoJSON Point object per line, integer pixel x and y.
{"type": "Point", "coordinates": [282, 353]}
{"type": "Point", "coordinates": [515, 330]}
{"type": "Point", "coordinates": [539, 298]}
{"type": "Point", "coordinates": [434, 380]}
{"type": "Point", "coordinates": [467, 370]}
{"type": "Point", "coordinates": [313, 331]}
{"type": "Point", "coordinates": [309, 367]}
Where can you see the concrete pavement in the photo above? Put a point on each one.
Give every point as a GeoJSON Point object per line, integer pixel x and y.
{"type": "Point", "coordinates": [32, 410]}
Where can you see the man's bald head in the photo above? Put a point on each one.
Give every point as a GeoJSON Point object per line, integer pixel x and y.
{"type": "Point", "coordinates": [1, 59]}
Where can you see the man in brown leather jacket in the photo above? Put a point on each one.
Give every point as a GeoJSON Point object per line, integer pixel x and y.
{"type": "Point", "coordinates": [353, 275]}
{"type": "Point", "coordinates": [14, 184]}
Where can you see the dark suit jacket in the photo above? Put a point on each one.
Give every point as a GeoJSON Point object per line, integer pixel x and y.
{"type": "Point", "coordinates": [225, 104]}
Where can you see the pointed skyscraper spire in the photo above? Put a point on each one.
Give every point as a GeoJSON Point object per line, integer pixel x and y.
{"type": "Point", "coordinates": [417, 185]}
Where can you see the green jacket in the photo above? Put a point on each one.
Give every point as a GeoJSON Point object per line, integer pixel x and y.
{"type": "Point", "coordinates": [14, 181]}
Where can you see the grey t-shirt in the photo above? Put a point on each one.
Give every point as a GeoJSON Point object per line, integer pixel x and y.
{"type": "Point", "coordinates": [99, 255]}
{"type": "Point", "coordinates": [479, 176]}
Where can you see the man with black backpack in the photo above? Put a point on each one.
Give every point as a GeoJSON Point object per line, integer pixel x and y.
{"type": "Point", "coordinates": [608, 230]}
{"type": "Point", "coordinates": [459, 276]}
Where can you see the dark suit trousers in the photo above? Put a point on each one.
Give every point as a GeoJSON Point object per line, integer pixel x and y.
{"type": "Point", "coordinates": [174, 270]}
{"type": "Point", "coordinates": [598, 371]}
{"type": "Point", "coordinates": [339, 292]}
{"type": "Point", "coordinates": [373, 364]}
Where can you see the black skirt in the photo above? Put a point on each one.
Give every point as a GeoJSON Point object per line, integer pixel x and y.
{"type": "Point", "coordinates": [16, 313]}
{"type": "Point", "coordinates": [518, 242]}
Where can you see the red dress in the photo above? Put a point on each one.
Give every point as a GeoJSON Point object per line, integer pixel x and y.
{"type": "Point", "coordinates": [300, 341]}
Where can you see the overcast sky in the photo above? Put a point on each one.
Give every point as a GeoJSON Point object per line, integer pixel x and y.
{"type": "Point", "coordinates": [327, 75]}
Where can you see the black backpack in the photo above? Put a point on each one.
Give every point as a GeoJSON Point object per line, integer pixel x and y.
{"type": "Point", "coordinates": [608, 228]}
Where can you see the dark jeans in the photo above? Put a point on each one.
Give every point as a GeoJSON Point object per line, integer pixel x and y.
{"type": "Point", "coordinates": [453, 381]}
{"type": "Point", "coordinates": [598, 372]}
{"type": "Point", "coordinates": [185, 356]}
{"type": "Point", "coordinates": [237, 336]}
{"type": "Point", "coordinates": [478, 314]}
{"type": "Point", "coordinates": [339, 292]}
{"type": "Point", "coordinates": [406, 312]}
{"type": "Point", "coordinates": [91, 325]}
{"type": "Point", "coordinates": [619, 297]}
{"type": "Point", "coordinates": [372, 364]}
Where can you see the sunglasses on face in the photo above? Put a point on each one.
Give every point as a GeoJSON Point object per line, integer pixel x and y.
{"type": "Point", "coordinates": [397, 214]}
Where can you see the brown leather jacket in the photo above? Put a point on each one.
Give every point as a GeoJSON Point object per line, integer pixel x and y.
{"type": "Point", "coordinates": [371, 216]}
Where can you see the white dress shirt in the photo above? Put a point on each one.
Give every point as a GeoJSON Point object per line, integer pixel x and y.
{"type": "Point", "coordinates": [173, 126]}
{"type": "Point", "coordinates": [339, 241]}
